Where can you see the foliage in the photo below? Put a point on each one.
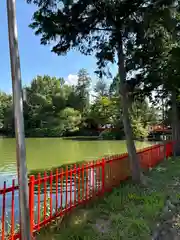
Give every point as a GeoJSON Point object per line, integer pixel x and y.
{"type": "Point", "coordinates": [107, 111]}
{"type": "Point", "coordinates": [155, 55]}
{"type": "Point", "coordinates": [54, 109]}
{"type": "Point", "coordinates": [139, 131]}
{"type": "Point", "coordinates": [71, 119]}
{"type": "Point", "coordinates": [112, 134]}
{"type": "Point", "coordinates": [103, 111]}
{"type": "Point", "coordinates": [47, 111]}
{"type": "Point", "coordinates": [82, 91]}
{"type": "Point", "coordinates": [5, 104]}
{"type": "Point", "coordinates": [142, 115]}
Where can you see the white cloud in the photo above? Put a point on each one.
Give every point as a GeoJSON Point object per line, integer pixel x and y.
{"type": "Point", "coordinates": [71, 79]}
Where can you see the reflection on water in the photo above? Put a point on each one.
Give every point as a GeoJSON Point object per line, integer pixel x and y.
{"type": "Point", "coordinates": [8, 208]}
{"type": "Point", "coordinates": [7, 177]}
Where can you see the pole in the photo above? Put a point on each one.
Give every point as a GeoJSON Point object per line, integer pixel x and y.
{"type": "Point", "coordinates": [19, 121]}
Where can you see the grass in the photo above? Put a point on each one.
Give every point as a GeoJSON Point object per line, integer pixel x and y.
{"type": "Point", "coordinates": [129, 212]}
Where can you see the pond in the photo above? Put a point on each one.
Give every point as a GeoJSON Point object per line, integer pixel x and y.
{"type": "Point", "coordinates": [46, 153]}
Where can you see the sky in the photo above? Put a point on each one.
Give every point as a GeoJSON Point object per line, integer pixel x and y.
{"type": "Point", "coordinates": [37, 59]}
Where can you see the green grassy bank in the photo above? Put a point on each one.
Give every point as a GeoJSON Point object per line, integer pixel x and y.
{"type": "Point", "coordinates": [129, 212]}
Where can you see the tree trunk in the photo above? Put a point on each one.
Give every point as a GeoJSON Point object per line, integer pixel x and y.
{"type": "Point", "coordinates": [175, 125]}
{"type": "Point", "coordinates": [133, 157]}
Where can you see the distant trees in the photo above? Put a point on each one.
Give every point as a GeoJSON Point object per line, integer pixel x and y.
{"type": "Point", "coordinates": [47, 111]}
{"type": "Point", "coordinates": [5, 108]}
{"type": "Point", "coordinates": [53, 108]}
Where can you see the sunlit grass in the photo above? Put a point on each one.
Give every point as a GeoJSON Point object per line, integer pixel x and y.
{"type": "Point", "coordinates": [129, 212]}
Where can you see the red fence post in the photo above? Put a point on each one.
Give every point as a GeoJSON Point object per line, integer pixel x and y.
{"type": "Point", "coordinates": [61, 190]}
{"type": "Point", "coordinates": [71, 187]}
{"type": "Point", "coordinates": [82, 182]}
{"type": "Point", "coordinates": [45, 194]}
{"type": "Point", "coordinates": [12, 213]}
{"type": "Point", "coordinates": [39, 200]}
{"type": "Point", "coordinates": [31, 203]}
{"type": "Point", "coordinates": [103, 176]}
{"type": "Point", "coordinates": [66, 177]}
{"type": "Point", "coordinates": [3, 212]}
{"type": "Point", "coordinates": [93, 180]}
{"type": "Point", "coordinates": [57, 180]}
{"type": "Point", "coordinates": [87, 182]}
{"type": "Point", "coordinates": [79, 184]}
{"type": "Point", "coordinates": [51, 193]}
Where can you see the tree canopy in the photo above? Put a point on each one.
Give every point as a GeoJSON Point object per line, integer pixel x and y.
{"type": "Point", "coordinates": [53, 108]}
{"type": "Point", "coordinates": [108, 29]}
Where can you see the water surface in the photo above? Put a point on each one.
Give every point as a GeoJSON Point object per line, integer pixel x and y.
{"type": "Point", "coordinates": [45, 153]}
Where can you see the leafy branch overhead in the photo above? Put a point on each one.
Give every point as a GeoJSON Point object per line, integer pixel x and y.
{"type": "Point", "coordinates": [91, 26]}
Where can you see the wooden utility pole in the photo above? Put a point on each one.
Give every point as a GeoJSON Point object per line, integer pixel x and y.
{"type": "Point", "coordinates": [19, 121]}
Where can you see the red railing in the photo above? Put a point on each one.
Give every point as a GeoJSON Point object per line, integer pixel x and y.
{"type": "Point", "coordinates": [52, 195]}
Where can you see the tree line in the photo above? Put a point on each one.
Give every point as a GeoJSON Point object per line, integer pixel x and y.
{"type": "Point", "coordinates": [52, 108]}
{"type": "Point", "coordinates": [140, 36]}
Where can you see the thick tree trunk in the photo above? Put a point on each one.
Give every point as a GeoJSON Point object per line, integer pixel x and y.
{"type": "Point", "coordinates": [175, 125]}
{"type": "Point", "coordinates": [133, 157]}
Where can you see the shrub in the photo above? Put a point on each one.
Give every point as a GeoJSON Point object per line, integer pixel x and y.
{"type": "Point", "coordinates": [108, 134]}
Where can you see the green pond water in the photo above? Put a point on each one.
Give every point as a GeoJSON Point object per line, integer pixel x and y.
{"type": "Point", "coordinates": [45, 153]}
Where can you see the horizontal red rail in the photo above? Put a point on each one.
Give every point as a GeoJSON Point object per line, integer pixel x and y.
{"type": "Point", "coordinates": [51, 196]}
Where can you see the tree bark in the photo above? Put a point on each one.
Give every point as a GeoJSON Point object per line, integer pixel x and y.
{"type": "Point", "coordinates": [133, 157]}
{"type": "Point", "coordinates": [175, 125]}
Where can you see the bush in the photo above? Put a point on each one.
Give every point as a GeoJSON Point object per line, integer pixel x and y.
{"type": "Point", "coordinates": [45, 132]}
{"type": "Point", "coordinates": [139, 131]}
{"type": "Point", "coordinates": [109, 134]}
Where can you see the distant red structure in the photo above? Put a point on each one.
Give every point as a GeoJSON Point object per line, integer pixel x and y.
{"type": "Point", "coordinates": [106, 127]}
{"type": "Point", "coordinates": [109, 127]}
{"type": "Point", "coordinates": [160, 128]}
{"type": "Point", "coordinates": [154, 128]}
{"type": "Point", "coordinates": [102, 129]}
